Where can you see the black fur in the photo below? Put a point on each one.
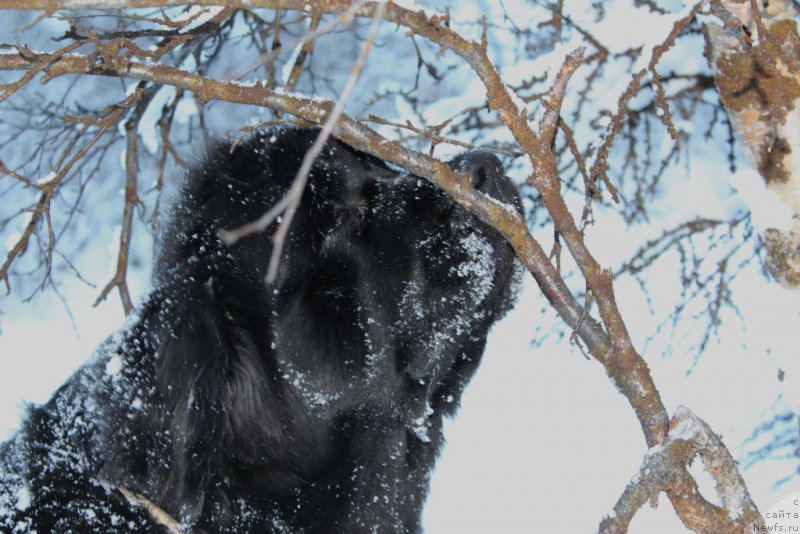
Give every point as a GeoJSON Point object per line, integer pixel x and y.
{"type": "Point", "coordinates": [314, 404]}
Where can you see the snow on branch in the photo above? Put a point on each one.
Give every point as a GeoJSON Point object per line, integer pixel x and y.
{"type": "Point", "coordinates": [755, 54]}
{"type": "Point", "coordinates": [662, 470]}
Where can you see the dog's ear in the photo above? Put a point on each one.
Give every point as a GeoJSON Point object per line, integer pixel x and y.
{"type": "Point", "coordinates": [219, 354]}
{"type": "Point", "coordinates": [216, 378]}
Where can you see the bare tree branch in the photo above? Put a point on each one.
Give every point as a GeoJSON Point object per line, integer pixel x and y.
{"type": "Point", "coordinates": [131, 201]}
{"type": "Point", "coordinates": [662, 470]}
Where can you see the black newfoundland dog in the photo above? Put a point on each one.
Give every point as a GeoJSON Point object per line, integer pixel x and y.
{"type": "Point", "coordinates": [310, 405]}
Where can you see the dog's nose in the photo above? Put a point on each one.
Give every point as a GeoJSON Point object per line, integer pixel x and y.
{"type": "Point", "coordinates": [482, 167]}
{"type": "Point", "coordinates": [486, 174]}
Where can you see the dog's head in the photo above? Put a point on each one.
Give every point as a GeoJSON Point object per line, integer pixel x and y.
{"type": "Point", "coordinates": [384, 282]}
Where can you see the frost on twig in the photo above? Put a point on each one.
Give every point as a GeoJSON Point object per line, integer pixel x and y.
{"type": "Point", "coordinates": [663, 470]}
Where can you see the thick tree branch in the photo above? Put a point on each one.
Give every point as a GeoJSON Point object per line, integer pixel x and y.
{"type": "Point", "coordinates": [759, 86]}
{"type": "Point", "coordinates": [663, 470]}
{"type": "Point", "coordinates": [502, 217]}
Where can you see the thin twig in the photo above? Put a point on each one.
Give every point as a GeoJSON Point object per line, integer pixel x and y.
{"type": "Point", "coordinates": [289, 203]}
{"type": "Point", "coordinates": [305, 51]}
{"type": "Point", "coordinates": [156, 512]}
{"type": "Point", "coordinates": [131, 201]}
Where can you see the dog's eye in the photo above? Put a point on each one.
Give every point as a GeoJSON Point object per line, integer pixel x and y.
{"type": "Point", "coordinates": [341, 216]}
